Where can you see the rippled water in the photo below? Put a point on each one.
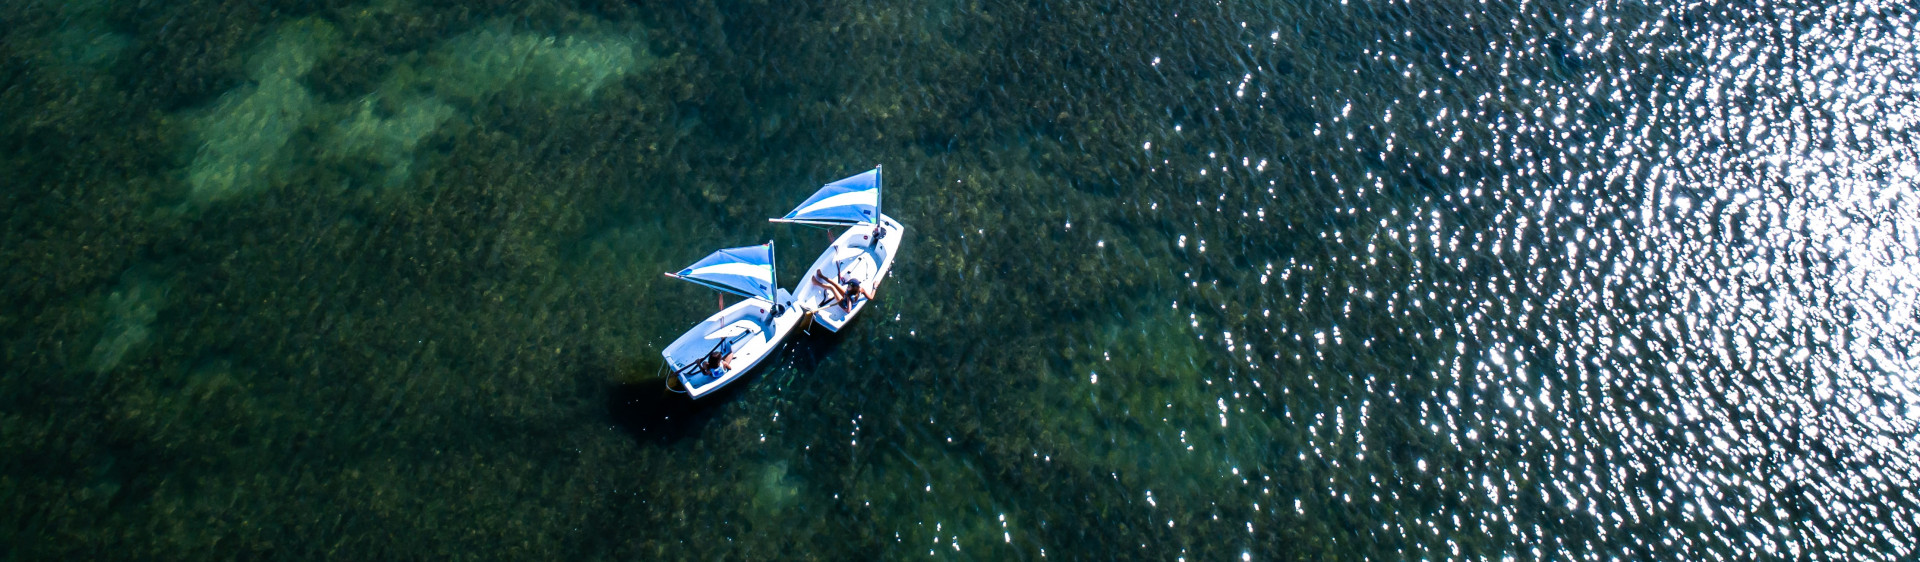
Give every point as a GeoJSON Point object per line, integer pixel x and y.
{"type": "Point", "coordinates": [1202, 281]}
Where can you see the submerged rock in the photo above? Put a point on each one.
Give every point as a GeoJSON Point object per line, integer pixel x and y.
{"type": "Point", "coordinates": [244, 134]}
{"type": "Point", "coordinates": [390, 140]}
{"type": "Point", "coordinates": [492, 59]}
{"type": "Point", "coordinates": [84, 45]}
{"type": "Point", "coordinates": [778, 488]}
{"type": "Point", "coordinates": [130, 311]}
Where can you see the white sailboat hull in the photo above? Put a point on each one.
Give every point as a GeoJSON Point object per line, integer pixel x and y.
{"type": "Point", "coordinates": [748, 329]}
{"type": "Point", "coordinates": [855, 256]}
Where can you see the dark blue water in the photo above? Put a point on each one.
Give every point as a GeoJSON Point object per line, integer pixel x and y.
{"type": "Point", "coordinates": [1188, 280]}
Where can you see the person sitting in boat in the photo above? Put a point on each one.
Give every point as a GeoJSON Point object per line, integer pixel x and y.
{"type": "Point", "coordinates": [844, 290]}
{"type": "Point", "coordinates": [851, 289]}
{"type": "Point", "coordinates": [718, 361]}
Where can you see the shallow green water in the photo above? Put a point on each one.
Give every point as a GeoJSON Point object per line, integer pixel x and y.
{"type": "Point", "coordinates": [1207, 280]}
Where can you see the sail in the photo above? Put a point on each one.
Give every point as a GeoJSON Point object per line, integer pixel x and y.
{"type": "Point", "coordinates": [747, 271]}
{"type": "Point", "coordinates": [849, 201]}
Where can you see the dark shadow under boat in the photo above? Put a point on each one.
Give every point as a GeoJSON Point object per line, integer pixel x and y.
{"type": "Point", "coordinates": [650, 413]}
{"type": "Point", "coordinates": [815, 345]}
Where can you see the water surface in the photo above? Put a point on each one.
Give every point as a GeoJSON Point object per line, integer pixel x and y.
{"type": "Point", "coordinates": [1182, 280]}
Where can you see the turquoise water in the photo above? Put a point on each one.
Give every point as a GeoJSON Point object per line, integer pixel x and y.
{"type": "Point", "coordinates": [1182, 280]}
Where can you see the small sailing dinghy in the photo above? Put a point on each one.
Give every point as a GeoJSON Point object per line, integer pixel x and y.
{"type": "Point", "coordinates": [847, 275]}
{"type": "Point", "coordinates": [734, 340]}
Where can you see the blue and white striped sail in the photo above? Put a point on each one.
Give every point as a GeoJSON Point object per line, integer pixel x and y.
{"type": "Point", "coordinates": [852, 200]}
{"type": "Point", "coordinates": [746, 271]}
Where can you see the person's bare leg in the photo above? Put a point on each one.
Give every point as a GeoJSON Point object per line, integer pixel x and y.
{"type": "Point", "coordinates": [825, 283]}
{"type": "Point", "coordinates": [821, 281]}
{"type": "Point", "coordinates": [831, 287]}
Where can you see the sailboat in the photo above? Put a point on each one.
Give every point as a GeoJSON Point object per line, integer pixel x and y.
{"type": "Point", "coordinates": [731, 342]}
{"type": "Point", "coordinates": [845, 277]}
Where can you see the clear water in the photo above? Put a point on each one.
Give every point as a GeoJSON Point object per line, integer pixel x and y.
{"type": "Point", "coordinates": [1204, 281]}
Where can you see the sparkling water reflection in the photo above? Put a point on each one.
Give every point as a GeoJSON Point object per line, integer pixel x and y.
{"type": "Point", "coordinates": [1655, 294]}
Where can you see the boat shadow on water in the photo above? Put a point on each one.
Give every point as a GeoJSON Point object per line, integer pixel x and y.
{"type": "Point", "coordinates": [810, 345]}
{"type": "Point", "coordinates": [650, 413]}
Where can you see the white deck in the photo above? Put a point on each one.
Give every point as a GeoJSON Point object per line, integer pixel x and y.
{"type": "Point", "coordinates": [748, 326]}
{"type": "Point", "coordinates": [854, 256]}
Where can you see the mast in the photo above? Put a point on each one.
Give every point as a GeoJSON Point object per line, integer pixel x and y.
{"type": "Point", "coordinates": [878, 194]}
